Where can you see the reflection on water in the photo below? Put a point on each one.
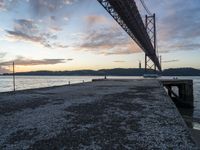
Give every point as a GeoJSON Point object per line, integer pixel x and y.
{"type": "Point", "coordinates": [32, 82]}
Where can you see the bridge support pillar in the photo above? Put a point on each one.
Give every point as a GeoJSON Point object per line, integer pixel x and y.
{"type": "Point", "coordinates": [149, 64]}
{"type": "Point", "coordinates": [150, 23]}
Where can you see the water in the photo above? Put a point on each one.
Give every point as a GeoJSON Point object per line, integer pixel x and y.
{"type": "Point", "coordinates": [30, 82]}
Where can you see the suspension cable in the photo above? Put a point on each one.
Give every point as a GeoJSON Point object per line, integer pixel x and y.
{"type": "Point", "coordinates": [145, 7]}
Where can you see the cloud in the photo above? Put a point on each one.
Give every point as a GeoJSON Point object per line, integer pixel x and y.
{"type": "Point", "coordinates": [55, 29]}
{"type": "Point", "coordinates": [53, 18]}
{"type": "Point", "coordinates": [43, 7]}
{"type": "Point", "coordinates": [57, 45]}
{"type": "Point", "coordinates": [181, 45]}
{"type": "Point", "coordinates": [179, 24]}
{"type": "Point", "coordinates": [185, 46]}
{"type": "Point", "coordinates": [7, 5]}
{"type": "Point", "coordinates": [119, 61]}
{"type": "Point", "coordinates": [29, 31]}
{"type": "Point", "coordinates": [70, 59]}
{"type": "Point", "coordinates": [2, 5]}
{"type": "Point", "coordinates": [108, 41]}
{"type": "Point", "coordinates": [21, 61]}
{"type": "Point", "coordinates": [96, 19]}
{"type": "Point", "coordinates": [4, 70]}
{"type": "Point", "coordinates": [66, 18]}
{"type": "Point", "coordinates": [170, 61]}
{"type": "Point", "coordinates": [18, 35]}
{"type": "Point", "coordinates": [2, 55]}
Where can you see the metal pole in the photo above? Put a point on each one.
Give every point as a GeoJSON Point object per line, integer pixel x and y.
{"type": "Point", "coordinates": [154, 68]}
{"type": "Point", "coordinates": [145, 63]}
{"type": "Point", "coordinates": [155, 38]}
{"type": "Point", "coordinates": [14, 76]}
{"type": "Point", "coordinates": [161, 61]}
{"type": "Point", "coordinates": [146, 24]}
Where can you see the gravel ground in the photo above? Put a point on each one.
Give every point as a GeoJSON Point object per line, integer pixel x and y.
{"type": "Point", "coordinates": [111, 114]}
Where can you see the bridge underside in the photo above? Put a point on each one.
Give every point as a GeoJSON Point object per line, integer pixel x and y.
{"type": "Point", "coordinates": [125, 12]}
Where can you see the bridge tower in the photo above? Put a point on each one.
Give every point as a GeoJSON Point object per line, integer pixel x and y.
{"type": "Point", "coordinates": [150, 24]}
{"type": "Point", "coordinates": [127, 15]}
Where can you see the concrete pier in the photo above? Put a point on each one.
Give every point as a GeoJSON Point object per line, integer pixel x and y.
{"type": "Point", "coordinates": [107, 114]}
{"type": "Point", "coordinates": [180, 91]}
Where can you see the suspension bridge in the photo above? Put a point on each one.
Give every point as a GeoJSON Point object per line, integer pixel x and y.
{"type": "Point", "coordinates": [105, 113]}
{"type": "Point", "coordinates": [126, 14]}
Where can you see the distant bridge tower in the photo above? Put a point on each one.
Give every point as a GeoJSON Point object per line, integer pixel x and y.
{"type": "Point", "coordinates": [150, 24]}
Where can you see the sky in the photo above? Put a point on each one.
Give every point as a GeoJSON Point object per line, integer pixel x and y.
{"type": "Point", "coordinates": [80, 34]}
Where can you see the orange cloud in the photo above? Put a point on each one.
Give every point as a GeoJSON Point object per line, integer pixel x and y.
{"type": "Point", "coordinates": [108, 41]}
{"type": "Point", "coordinates": [96, 19]}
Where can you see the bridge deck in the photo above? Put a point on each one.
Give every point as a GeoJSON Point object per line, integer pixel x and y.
{"type": "Point", "coordinates": [125, 12]}
{"type": "Point", "coordinates": [112, 114]}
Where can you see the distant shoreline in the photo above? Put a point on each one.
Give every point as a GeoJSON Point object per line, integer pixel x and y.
{"type": "Point", "coordinates": [101, 75]}
{"type": "Point", "coordinates": [112, 72]}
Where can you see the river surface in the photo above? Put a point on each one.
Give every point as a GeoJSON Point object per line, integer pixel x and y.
{"type": "Point", "coordinates": [31, 82]}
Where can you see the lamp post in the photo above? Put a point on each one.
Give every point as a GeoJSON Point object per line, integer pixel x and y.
{"type": "Point", "coordinates": [14, 76]}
